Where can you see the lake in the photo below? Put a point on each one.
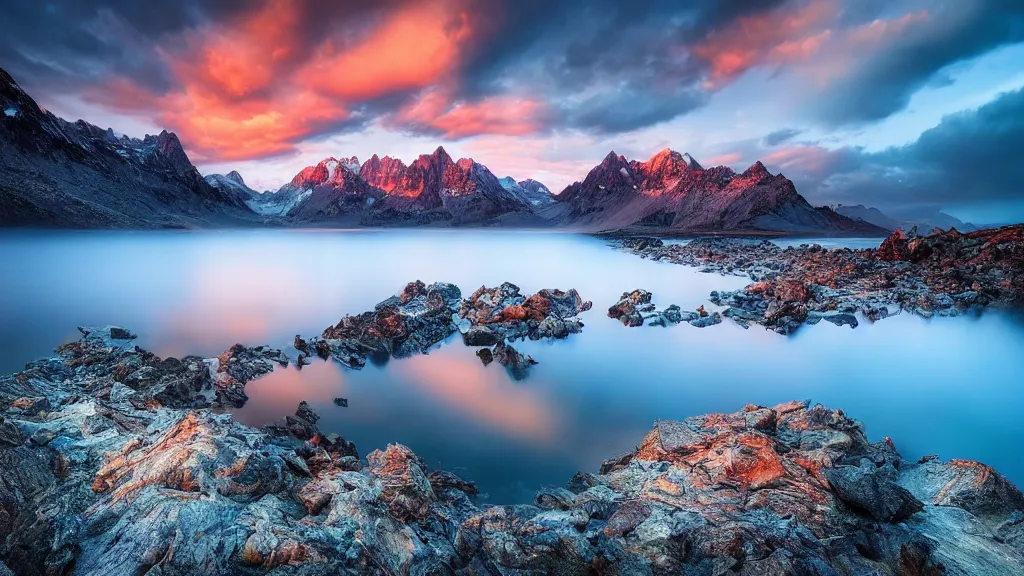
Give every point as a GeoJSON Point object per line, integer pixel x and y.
{"type": "Point", "coordinates": [945, 386]}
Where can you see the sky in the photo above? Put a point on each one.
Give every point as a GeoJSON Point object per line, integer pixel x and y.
{"type": "Point", "coordinates": [906, 105]}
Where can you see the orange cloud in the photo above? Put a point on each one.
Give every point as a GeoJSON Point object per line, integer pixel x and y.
{"type": "Point", "coordinates": [504, 115]}
{"type": "Point", "coordinates": [806, 35]}
{"type": "Point", "coordinates": [412, 49]}
{"type": "Point", "coordinates": [254, 87]}
{"type": "Point", "coordinates": [772, 37]}
{"type": "Point", "coordinates": [724, 159]}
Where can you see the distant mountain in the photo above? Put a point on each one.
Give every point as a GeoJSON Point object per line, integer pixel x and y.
{"type": "Point", "coordinates": [330, 192]}
{"type": "Point", "coordinates": [672, 192]}
{"type": "Point", "coordinates": [529, 191]}
{"type": "Point", "coordinates": [925, 221]}
{"type": "Point", "coordinates": [232, 184]}
{"type": "Point", "coordinates": [55, 173]}
{"type": "Point", "coordinates": [437, 189]}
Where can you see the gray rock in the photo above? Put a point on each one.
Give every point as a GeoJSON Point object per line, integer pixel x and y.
{"type": "Point", "coordinates": [873, 491]}
{"type": "Point", "coordinates": [481, 336]}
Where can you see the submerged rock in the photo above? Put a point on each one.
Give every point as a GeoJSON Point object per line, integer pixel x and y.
{"type": "Point", "coordinates": [518, 364]}
{"type": "Point", "coordinates": [93, 485]}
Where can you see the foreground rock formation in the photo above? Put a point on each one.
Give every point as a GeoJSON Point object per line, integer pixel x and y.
{"type": "Point", "coordinates": [96, 483]}
{"type": "Point", "coordinates": [945, 273]}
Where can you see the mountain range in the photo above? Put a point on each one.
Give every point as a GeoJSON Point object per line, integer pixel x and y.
{"type": "Point", "coordinates": [924, 221]}
{"type": "Point", "coordinates": [77, 175]}
{"type": "Point", "coordinates": [60, 174]}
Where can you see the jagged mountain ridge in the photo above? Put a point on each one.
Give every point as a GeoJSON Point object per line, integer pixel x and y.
{"type": "Point", "coordinates": [672, 192]}
{"type": "Point", "coordinates": [433, 189]}
{"type": "Point", "coordinates": [64, 174]}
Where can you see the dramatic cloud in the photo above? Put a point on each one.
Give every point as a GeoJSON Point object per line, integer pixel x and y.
{"type": "Point", "coordinates": [970, 158]}
{"type": "Point", "coordinates": [544, 88]}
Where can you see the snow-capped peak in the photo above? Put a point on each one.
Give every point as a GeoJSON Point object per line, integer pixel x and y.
{"type": "Point", "coordinates": [691, 162]}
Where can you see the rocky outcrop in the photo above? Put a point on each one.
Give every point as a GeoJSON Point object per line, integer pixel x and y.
{"type": "Point", "coordinates": [94, 483]}
{"type": "Point", "coordinates": [408, 323]}
{"type": "Point", "coordinates": [422, 316]}
{"type": "Point", "coordinates": [945, 273]}
{"type": "Point", "coordinates": [492, 315]}
{"type": "Point", "coordinates": [60, 174]}
{"type": "Point", "coordinates": [634, 308]}
{"type": "Point", "coordinates": [672, 192]}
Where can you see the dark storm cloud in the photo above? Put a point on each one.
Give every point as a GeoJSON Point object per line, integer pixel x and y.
{"type": "Point", "coordinates": [58, 44]}
{"type": "Point", "coordinates": [882, 84]}
{"type": "Point", "coordinates": [606, 65]}
{"type": "Point", "coordinates": [969, 158]}
{"type": "Point", "coordinates": [598, 66]}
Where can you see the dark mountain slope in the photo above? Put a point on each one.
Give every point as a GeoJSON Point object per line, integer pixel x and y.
{"type": "Point", "coordinates": [55, 173]}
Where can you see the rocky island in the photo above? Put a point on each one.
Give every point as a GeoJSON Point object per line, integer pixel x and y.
{"type": "Point", "coordinates": [944, 273]}
{"type": "Point", "coordinates": [422, 316]}
{"type": "Point", "coordinates": [115, 462]}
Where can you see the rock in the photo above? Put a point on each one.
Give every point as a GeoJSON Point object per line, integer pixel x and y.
{"type": "Point", "coordinates": [120, 393]}
{"type": "Point", "coordinates": [121, 334]}
{"type": "Point", "coordinates": [944, 273]}
{"type": "Point", "coordinates": [503, 313]}
{"type": "Point", "coordinates": [625, 309]}
{"type": "Point", "coordinates": [793, 489]}
{"type": "Point", "coordinates": [894, 247]}
{"type": "Point", "coordinates": [555, 498]}
{"type": "Point", "coordinates": [442, 481]}
{"type": "Point", "coordinates": [872, 490]}
{"type": "Point", "coordinates": [302, 425]}
{"type": "Point", "coordinates": [481, 336]}
{"type": "Point", "coordinates": [419, 317]}
{"type": "Point", "coordinates": [343, 402]}
{"type": "Point", "coordinates": [31, 404]}
{"type": "Point", "coordinates": [42, 436]}
{"type": "Point", "coordinates": [634, 308]}
{"type": "Point", "coordinates": [706, 320]}
{"type": "Point", "coordinates": [642, 243]}
{"type": "Point", "coordinates": [485, 355]}
{"type": "Point", "coordinates": [406, 488]}
{"type": "Point", "coordinates": [517, 364]}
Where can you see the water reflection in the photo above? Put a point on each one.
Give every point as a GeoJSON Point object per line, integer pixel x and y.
{"type": "Point", "coordinates": [482, 393]}
{"type": "Point", "coordinates": [947, 386]}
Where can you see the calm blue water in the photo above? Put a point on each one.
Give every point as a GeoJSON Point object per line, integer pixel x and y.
{"type": "Point", "coordinates": [946, 386]}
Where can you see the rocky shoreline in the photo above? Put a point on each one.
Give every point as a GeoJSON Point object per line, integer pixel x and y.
{"type": "Point", "coordinates": [118, 462]}
{"type": "Point", "coordinates": [945, 273]}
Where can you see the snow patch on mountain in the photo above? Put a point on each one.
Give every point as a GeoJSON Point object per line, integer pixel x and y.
{"type": "Point", "coordinates": [331, 165]}
{"type": "Point", "coordinates": [277, 204]}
